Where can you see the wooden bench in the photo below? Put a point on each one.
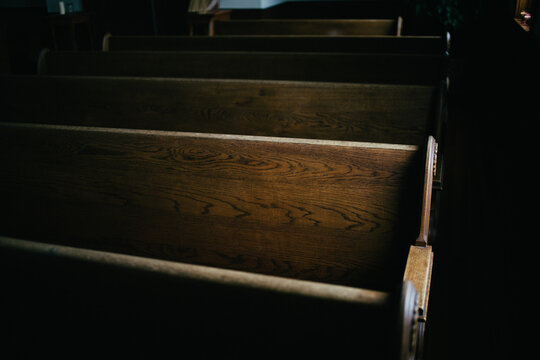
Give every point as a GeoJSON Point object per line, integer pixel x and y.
{"type": "Point", "coordinates": [328, 27]}
{"type": "Point", "coordinates": [347, 214]}
{"type": "Point", "coordinates": [333, 67]}
{"type": "Point", "coordinates": [279, 43]}
{"type": "Point", "coordinates": [100, 302]}
{"type": "Point", "coordinates": [400, 114]}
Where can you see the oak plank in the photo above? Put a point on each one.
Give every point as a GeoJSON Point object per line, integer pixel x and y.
{"type": "Point", "coordinates": [337, 212]}
{"type": "Point", "coordinates": [401, 114]}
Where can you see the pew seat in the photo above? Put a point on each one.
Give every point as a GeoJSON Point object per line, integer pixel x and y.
{"type": "Point", "coordinates": [70, 302]}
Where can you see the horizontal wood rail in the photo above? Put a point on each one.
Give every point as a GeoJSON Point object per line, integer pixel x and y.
{"type": "Point", "coordinates": [205, 274]}
{"type": "Point", "coordinates": [328, 67]}
{"type": "Point", "coordinates": [280, 43]}
{"type": "Point", "coordinates": [329, 27]}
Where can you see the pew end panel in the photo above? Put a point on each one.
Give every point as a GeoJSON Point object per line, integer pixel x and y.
{"type": "Point", "coordinates": [418, 271]}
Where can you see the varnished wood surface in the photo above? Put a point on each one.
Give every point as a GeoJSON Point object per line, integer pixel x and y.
{"type": "Point", "coordinates": [338, 212]}
{"type": "Point", "coordinates": [183, 272]}
{"type": "Point", "coordinates": [401, 114]}
{"type": "Point", "coordinates": [295, 43]}
{"type": "Point", "coordinates": [327, 27]}
{"type": "Point", "coordinates": [430, 168]}
{"type": "Point", "coordinates": [418, 270]}
{"type": "Point", "coordinates": [329, 67]}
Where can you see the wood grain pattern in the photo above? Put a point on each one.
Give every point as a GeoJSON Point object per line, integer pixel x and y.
{"type": "Point", "coordinates": [418, 270]}
{"type": "Point", "coordinates": [331, 67]}
{"type": "Point", "coordinates": [295, 43]}
{"type": "Point", "coordinates": [307, 27]}
{"type": "Point", "coordinates": [336, 212]}
{"type": "Point", "coordinates": [401, 114]}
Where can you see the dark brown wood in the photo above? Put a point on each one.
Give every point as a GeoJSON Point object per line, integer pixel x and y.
{"type": "Point", "coordinates": [408, 326]}
{"type": "Point", "coordinates": [333, 67]}
{"type": "Point", "coordinates": [182, 272]}
{"type": "Point", "coordinates": [294, 43]}
{"type": "Point", "coordinates": [67, 23]}
{"type": "Point", "coordinates": [401, 114]}
{"type": "Point", "coordinates": [308, 27]}
{"type": "Point", "coordinates": [337, 212]}
{"type": "Point", "coordinates": [137, 307]}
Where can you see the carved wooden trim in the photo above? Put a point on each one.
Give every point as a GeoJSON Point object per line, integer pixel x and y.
{"type": "Point", "coordinates": [431, 156]}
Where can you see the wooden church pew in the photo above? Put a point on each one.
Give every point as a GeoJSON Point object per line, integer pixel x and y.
{"type": "Point", "coordinates": [60, 301]}
{"type": "Point", "coordinates": [89, 188]}
{"type": "Point", "coordinates": [332, 67]}
{"type": "Point", "coordinates": [279, 43]}
{"type": "Point", "coordinates": [344, 213]}
{"type": "Point", "coordinates": [401, 114]}
{"type": "Point", "coordinates": [328, 27]}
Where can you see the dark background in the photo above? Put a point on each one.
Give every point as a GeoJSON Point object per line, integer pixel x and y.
{"type": "Point", "coordinates": [487, 222]}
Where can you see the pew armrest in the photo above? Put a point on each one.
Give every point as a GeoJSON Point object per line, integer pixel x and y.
{"type": "Point", "coordinates": [105, 44]}
{"type": "Point", "coordinates": [430, 169]}
{"type": "Point", "coordinates": [418, 271]}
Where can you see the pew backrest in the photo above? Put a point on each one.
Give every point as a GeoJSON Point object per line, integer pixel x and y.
{"type": "Point", "coordinates": [330, 211]}
{"type": "Point", "coordinates": [197, 311]}
{"type": "Point", "coordinates": [400, 114]}
{"type": "Point", "coordinates": [328, 67]}
{"type": "Point", "coordinates": [328, 27]}
{"type": "Point", "coordinates": [279, 43]}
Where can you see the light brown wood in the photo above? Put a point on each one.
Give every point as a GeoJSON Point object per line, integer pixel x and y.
{"type": "Point", "coordinates": [418, 270]}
